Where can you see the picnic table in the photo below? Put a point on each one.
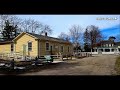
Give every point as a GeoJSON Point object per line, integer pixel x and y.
{"type": "Point", "coordinates": [43, 60]}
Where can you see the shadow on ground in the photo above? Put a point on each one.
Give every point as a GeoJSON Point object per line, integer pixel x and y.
{"type": "Point", "coordinates": [33, 68]}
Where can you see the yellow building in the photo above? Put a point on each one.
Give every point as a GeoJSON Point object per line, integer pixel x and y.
{"type": "Point", "coordinates": [36, 45]}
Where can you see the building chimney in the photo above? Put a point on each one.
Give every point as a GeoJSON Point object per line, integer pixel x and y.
{"type": "Point", "coordinates": [45, 33]}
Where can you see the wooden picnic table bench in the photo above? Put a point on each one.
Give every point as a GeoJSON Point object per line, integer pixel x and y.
{"type": "Point", "coordinates": [44, 60]}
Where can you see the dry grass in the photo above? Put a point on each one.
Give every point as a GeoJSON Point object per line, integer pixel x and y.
{"type": "Point", "coordinates": [117, 65]}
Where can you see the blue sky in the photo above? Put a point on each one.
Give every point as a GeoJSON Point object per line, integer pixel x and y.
{"type": "Point", "coordinates": [111, 31]}
{"type": "Point", "coordinates": [62, 23]}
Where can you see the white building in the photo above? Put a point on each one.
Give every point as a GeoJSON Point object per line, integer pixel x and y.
{"type": "Point", "coordinates": [107, 47]}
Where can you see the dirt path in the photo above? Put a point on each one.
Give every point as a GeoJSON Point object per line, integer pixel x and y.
{"type": "Point", "coordinates": [97, 65]}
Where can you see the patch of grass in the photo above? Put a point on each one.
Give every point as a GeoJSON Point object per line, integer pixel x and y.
{"type": "Point", "coordinates": [117, 65]}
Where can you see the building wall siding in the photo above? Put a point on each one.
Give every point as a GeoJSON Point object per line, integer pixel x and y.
{"type": "Point", "coordinates": [24, 41]}
{"type": "Point", "coordinates": [56, 48]}
{"type": "Point", "coordinates": [25, 38]}
{"type": "Point", "coordinates": [5, 48]}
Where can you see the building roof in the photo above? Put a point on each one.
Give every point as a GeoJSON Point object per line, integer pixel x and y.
{"type": "Point", "coordinates": [42, 37]}
{"type": "Point", "coordinates": [107, 42]}
{"type": "Point", "coordinates": [103, 42]}
{"type": "Point", "coordinates": [5, 42]}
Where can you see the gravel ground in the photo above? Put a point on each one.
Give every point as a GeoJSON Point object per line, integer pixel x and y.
{"type": "Point", "coordinates": [95, 65]}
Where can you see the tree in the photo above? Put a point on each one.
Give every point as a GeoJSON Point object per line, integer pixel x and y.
{"type": "Point", "coordinates": [87, 47]}
{"type": "Point", "coordinates": [14, 21]}
{"type": "Point", "coordinates": [46, 28]}
{"type": "Point", "coordinates": [94, 35]}
{"type": "Point", "coordinates": [25, 25]}
{"type": "Point", "coordinates": [30, 25]}
{"type": "Point", "coordinates": [77, 46]}
{"type": "Point", "coordinates": [75, 34]}
{"type": "Point", "coordinates": [86, 40]}
{"type": "Point", "coordinates": [86, 36]}
{"type": "Point", "coordinates": [3, 18]}
{"type": "Point", "coordinates": [9, 32]}
{"type": "Point", "coordinates": [64, 36]}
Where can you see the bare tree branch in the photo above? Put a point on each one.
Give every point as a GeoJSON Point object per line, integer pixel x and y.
{"type": "Point", "coordinates": [46, 28]}
{"type": "Point", "coordinates": [64, 36]}
{"type": "Point", "coordinates": [75, 33]}
{"type": "Point", "coordinates": [95, 35]}
{"type": "Point", "coordinates": [13, 19]}
{"type": "Point", "coordinates": [30, 25]}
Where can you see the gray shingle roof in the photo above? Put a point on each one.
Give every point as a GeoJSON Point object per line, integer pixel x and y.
{"type": "Point", "coordinates": [5, 42]}
{"type": "Point", "coordinates": [42, 37]}
{"type": "Point", "coordinates": [107, 42]}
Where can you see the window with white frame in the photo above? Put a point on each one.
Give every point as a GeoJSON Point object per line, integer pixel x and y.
{"type": "Point", "coordinates": [47, 46]}
{"type": "Point", "coordinates": [106, 45]}
{"type": "Point", "coordinates": [109, 45]}
{"type": "Point", "coordinates": [29, 46]}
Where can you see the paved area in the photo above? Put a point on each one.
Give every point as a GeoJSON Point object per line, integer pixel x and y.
{"type": "Point", "coordinates": [96, 65]}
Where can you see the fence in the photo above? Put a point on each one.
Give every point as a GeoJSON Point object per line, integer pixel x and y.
{"type": "Point", "coordinates": [82, 54]}
{"type": "Point", "coordinates": [18, 56]}
{"type": "Point", "coordinates": [9, 56]}
{"type": "Point", "coordinates": [60, 57]}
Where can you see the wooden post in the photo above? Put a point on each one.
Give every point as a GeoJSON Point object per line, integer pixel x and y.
{"type": "Point", "coordinates": [57, 55]}
{"type": "Point", "coordinates": [62, 57]}
{"type": "Point", "coordinates": [90, 54]}
{"type": "Point", "coordinates": [87, 54]}
{"type": "Point", "coordinates": [71, 57]}
{"type": "Point", "coordinates": [12, 62]}
{"type": "Point", "coordinates": [67, 56]}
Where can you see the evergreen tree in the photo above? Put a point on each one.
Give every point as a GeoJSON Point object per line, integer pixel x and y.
{"type": "Point", "coordinates": [9, 32]}
{"type": "Point", "coordinates": [87, 47]}
{"type": "Point", "coordinates": [86, 41]}
{"type": "Point", "coordinates": [92, 35]}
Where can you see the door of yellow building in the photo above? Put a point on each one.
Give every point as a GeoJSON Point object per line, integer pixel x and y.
{"type": "Point", "coordinates": [24, 50]}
